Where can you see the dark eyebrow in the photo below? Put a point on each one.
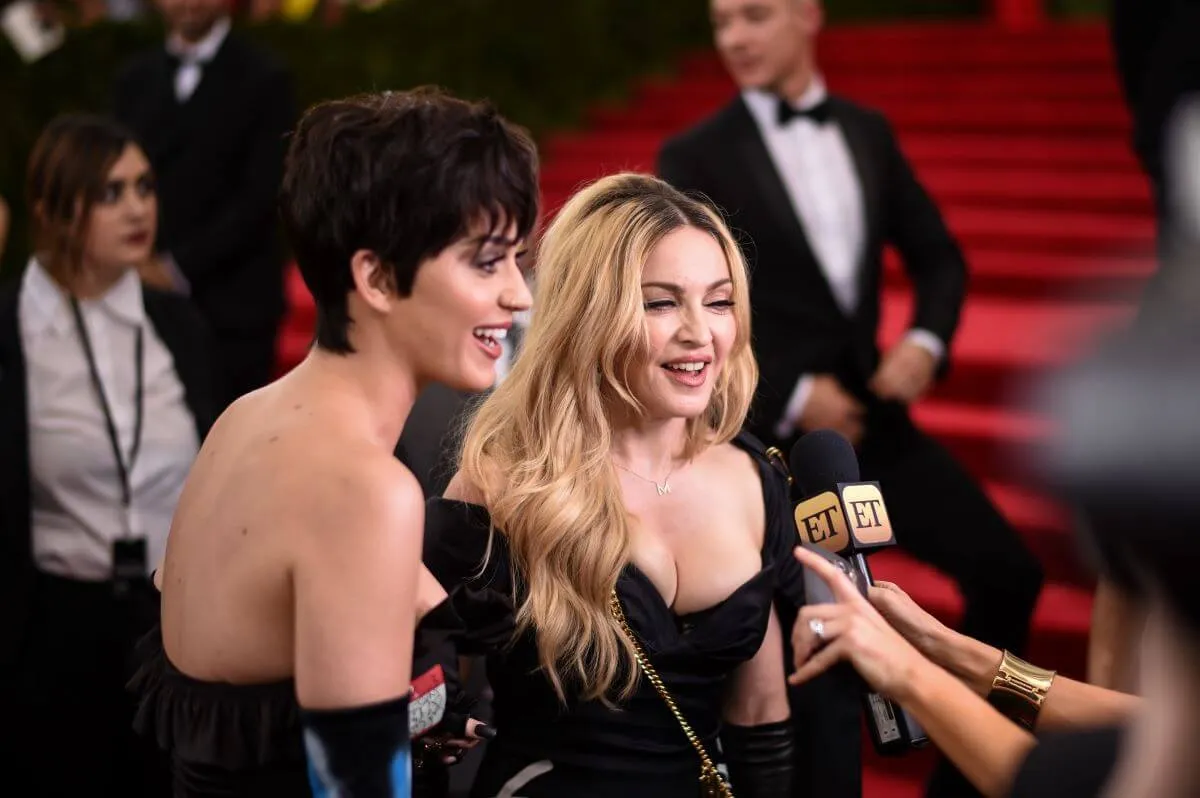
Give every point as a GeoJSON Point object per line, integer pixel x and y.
{"type": "Point", "coordinates": [679, 289]}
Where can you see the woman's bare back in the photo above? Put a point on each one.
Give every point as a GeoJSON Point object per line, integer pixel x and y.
{"type": "Point", "coordinates": [278, 473]}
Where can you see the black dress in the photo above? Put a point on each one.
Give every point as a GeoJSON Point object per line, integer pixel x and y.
{"type": "Point", "coordinates": [224, 739]}
{"type": "Point", "coordinates": [1074, 764]}
{"type": "Point", "coordinates": [246, 740]}
{"type": "Point", "coordinates": [586, 749]}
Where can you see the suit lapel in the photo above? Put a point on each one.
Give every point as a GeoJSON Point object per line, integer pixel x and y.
{"type": "Point", "coordinates": [755, 157]}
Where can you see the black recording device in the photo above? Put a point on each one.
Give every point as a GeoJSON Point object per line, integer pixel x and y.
{"type": "Point", "coordinates": [846, 519]}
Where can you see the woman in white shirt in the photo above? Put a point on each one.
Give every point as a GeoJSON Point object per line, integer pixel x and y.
{"type": "Point", "coordinates": [104, 398]}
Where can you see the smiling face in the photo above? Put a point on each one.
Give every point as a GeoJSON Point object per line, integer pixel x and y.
{"type": "Point", "coordinates": [453, 323]}
{"type": "Point", "coordinates": [688, 298]}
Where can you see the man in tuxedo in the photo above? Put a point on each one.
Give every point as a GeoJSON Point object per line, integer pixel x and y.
{"type": "Point", "coordinates": [212, 112]}
{"type": "Point", "coordinates": [816, 186]}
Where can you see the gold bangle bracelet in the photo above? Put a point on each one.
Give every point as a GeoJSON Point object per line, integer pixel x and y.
{"type": "Point", "coordinates": [1019, 690]}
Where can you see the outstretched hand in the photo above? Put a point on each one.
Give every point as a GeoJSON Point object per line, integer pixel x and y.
{"type": "Point", "coordinates": [850, 630]}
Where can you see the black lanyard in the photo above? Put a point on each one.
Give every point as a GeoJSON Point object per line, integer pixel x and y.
{"type": "Point", "coordinates": [124, 469]}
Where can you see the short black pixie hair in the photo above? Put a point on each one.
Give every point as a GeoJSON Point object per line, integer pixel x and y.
{"type": "Point", "coordinates": [404, 175]}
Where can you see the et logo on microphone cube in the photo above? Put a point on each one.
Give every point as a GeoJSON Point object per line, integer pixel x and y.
{"type": "Point", "coordinates": [866, 514]}
{"type": "Point", "coordinates": [820, 522]}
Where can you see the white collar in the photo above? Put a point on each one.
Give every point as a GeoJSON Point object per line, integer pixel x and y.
{"type": "Point", "coordinates": [44, 306]}
{"type": "Point", "coordinates": [204, 50]}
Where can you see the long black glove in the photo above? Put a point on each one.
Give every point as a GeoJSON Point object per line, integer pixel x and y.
{"type": "Point", "coordinates": [759, 759]}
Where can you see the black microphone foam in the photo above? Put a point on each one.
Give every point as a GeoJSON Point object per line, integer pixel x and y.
{"type": "Point", "coordinates": [820, 460]}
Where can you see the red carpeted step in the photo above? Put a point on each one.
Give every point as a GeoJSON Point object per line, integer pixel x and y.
{"type": "Point", "coordinates": [1049, 149]}
{"type": "Point", "coordinates": [1110, 189]}
{"type": "Point", "coordinates": [991, 442]}
{"type": "Point", "coordinates": [1016, 333]}
{"type": "Point", "coordinates": [1065, 231]}
{"type": "Point", "coordinates": [1033, 276]}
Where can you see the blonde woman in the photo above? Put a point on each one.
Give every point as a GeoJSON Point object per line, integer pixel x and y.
{"type": "Point", "coordinates": [609, 464]}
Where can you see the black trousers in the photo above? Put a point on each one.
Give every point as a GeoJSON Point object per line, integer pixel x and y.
{"type": "Point", "coordinates": [70, 728]}
{"type": "Point", "coordinates": [942, 516]}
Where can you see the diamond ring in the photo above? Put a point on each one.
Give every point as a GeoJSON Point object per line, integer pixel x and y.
{"type": "Point", "coordinates": [818, 628]}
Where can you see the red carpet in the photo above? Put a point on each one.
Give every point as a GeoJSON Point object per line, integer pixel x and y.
{"type": "Point", "coordinates": [1022, 139]}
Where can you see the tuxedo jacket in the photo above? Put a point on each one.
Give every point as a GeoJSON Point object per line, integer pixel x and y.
{"type": "Point", "coordinates": [218, 158]}
{"type": "Point", "coordinates": [183, 333]}
{"type": "Point", "coordinates": [798, 326]}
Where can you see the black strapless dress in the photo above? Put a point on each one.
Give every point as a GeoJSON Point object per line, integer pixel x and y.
{"type": "Point", "coordinates": [224, 740]}
{"type": "Point", "coordinates": [246, 741]}
{"type": "Point", "coordinates": [585, 749]}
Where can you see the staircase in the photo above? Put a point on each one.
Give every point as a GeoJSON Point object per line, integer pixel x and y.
{"type": "Point", "coordinates": [1022, 139]}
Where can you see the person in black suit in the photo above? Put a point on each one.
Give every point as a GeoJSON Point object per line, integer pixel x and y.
{"type": "Point", "coordinates": [816, 186]}
{"type": "Point", "coordinates": [1156, 44]}
{"type": "Point", "coordinates": [213, 112]}
{"type": "Point", "coordinates": [105, 394]}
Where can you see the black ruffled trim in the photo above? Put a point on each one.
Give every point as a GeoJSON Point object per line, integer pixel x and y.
{"type": "Point", "coordinates": [226, 726]}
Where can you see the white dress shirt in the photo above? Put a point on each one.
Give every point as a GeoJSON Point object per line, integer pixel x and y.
{"type": "Point", "coordinates": [817, 169]}
{"type": "Point", "coordinates": [75, 482]}
{"type": "Point", "coordinates": [193, 57]}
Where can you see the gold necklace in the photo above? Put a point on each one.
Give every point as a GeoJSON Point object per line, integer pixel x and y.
{"type": "Point", "coordinates": [663, 489]}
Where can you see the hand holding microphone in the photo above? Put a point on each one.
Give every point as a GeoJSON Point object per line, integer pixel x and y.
{"type": "Point", "coordinates": [850, 630]}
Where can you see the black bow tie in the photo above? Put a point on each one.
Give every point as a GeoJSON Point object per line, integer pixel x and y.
{"type": "Point", "coordinates": [819, 113]}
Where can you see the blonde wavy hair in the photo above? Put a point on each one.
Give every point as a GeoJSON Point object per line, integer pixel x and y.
{"type": "Point", "coordinates": [538, 448]}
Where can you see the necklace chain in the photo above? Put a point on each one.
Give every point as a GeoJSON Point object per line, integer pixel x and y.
{"type": "Point", "coordinates": [663, 488]}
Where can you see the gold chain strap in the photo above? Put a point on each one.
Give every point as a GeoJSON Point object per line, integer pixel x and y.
{"type": "Point", "coordinates": [711, 780]}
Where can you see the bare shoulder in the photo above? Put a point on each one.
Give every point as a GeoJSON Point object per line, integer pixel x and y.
{"type": "Point", "coordinates": [363, 497]}
{"type": "Point", "coordinates": [389, 491]}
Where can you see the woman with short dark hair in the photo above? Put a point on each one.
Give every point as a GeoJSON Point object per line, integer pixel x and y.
{"type": "Point", "coordinates": [292, 581]}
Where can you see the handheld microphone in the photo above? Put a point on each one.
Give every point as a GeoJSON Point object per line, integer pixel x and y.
{"type": "Point", "coordinates": [848, 518]}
